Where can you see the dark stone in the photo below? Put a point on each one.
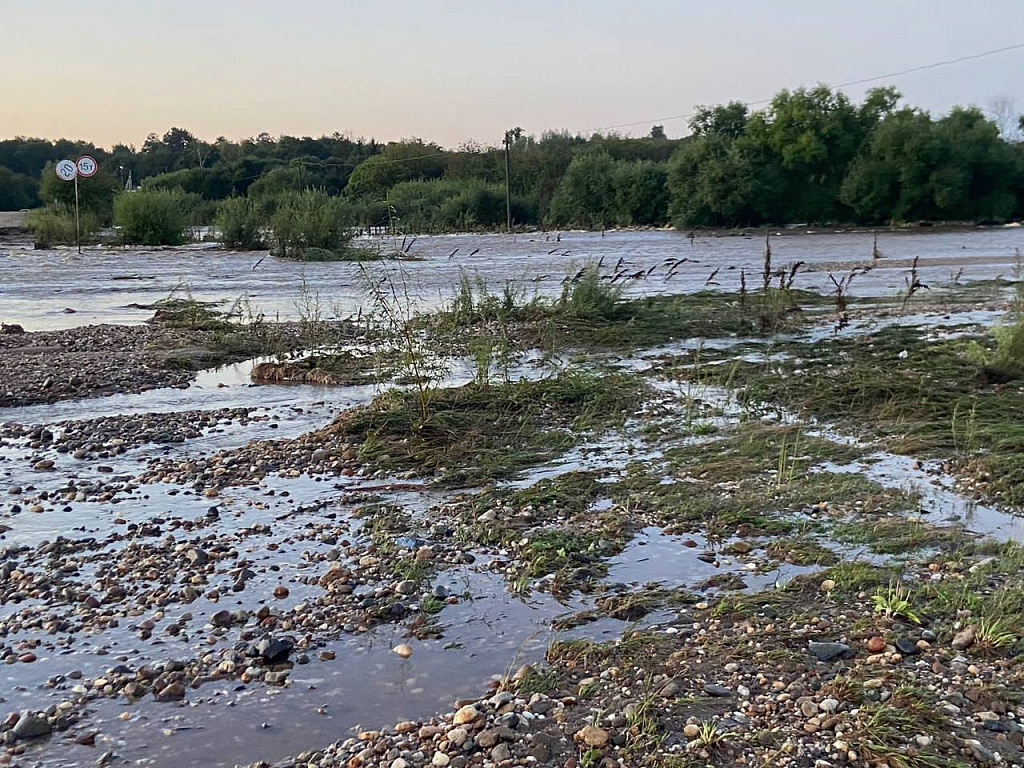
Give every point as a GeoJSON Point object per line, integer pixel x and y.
{"type": "Point", "coordinates": [31, 725]}
{"type": "Point", "coordinates": [906, 646]}
{"type": "Point", "coordinates": [717, 690]}
{"type": "Point", "coordinates": [827, 651]}
{"type": "Point", "coordinates": [274, 649]}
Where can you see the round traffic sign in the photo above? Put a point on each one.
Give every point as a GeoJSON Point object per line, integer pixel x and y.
{"type": "Point", "coordinates": [66, 170]}
{"type": "Point", "coordinates": [86, 166]}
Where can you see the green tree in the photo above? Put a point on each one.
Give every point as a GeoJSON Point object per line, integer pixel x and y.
{"type": "Point", "coordinates": [728, 120]}
{"type": "Point", "coordinates": [711, 183]}
{"type": "Point", "coordinates": [892, 177]}
{"type": "Point", "coordinates": [977, 176]}
{"type": "Point", "coordinates": [17, 190]}
{"type": "Point", "coordinates": [641, 193]}
{"type": "Point", "coordinates": [400, 161]}
{"type": "Point", "coordinates": [586, 195]}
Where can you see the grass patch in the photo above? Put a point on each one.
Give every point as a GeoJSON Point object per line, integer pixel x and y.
{"type": "Point", "coordinates": [928, 398]}
{"type": "Point", "coordinates": [591, 313]}
{"type": "Point", "coordinates": [893, 535]}
{"type": "Point", "coordinates": [476, 433]}
{"type": "Point", "coordinates": [753, 448]}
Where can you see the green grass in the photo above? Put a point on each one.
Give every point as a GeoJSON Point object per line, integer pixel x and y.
{"type": "Point", "coordinates": [895, 535]}
{"type": "Point", "coordinates": [926, 398]}
{"type": "Point", "coordinates": [592, 313]}
{"type": "Point", "coordinates": [477, 433]}
{"type": "Point", "coordinates": [752, 448]}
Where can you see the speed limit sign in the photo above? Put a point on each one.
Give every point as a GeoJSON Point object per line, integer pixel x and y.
{"type": "Point", "coordinates": [67, 170]}
{"type": "Point", "coordinates": [87, 166]}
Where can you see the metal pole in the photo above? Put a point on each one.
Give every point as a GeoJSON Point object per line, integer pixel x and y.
{"type": "Point", "coordinates": [508, 192]}
{"type": "Point", "coordinates": [78, 225]}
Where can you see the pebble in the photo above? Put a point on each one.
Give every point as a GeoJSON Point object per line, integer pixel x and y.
{"type": "Point", "coordinates": [592, 736]}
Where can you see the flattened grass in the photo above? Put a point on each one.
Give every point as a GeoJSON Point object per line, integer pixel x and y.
{"type": "Point", "coordinates": [925, 398]}
{"type": "Point", "coordinates": [476, 433]}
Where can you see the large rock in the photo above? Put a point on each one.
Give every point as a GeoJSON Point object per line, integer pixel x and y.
{"type": "Point", "coordinates": [592, 736]}
{"type": "Point", "coordinates": [334, 573]}
{"type": "Point", "coordinates": [466, 715]}
{"type": "Point", "coordinates": [827, 651]}
{"type": "Point", "coordinates": [274, 649]}
{"type": "Point", "coordinates": [964, 639]}
{"type": "Point", "coordinates": [31, 725]}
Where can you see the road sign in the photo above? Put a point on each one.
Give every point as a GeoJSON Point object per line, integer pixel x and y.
{"type": "Point", "coordinates": [86, 166]}
{"type": "Point", "coordinates": [67, 170]}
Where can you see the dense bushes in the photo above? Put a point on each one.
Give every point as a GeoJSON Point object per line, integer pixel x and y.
{"type": "Point", "coordinates": [598, 191]}
{"type": "Point", "coordinates": [311, 225]}
{"type": "Point", "coordinates": [447, 204]}
{"type": "Point", "coordinates": [154, 217]}
{"type": "Point", "coordinates": [811, 155]}
{"type": "Point", "coordinates": [17, 191]}
{"type": "Point", "coordinates": [54, 224]}
{"type": "Point", "coordinates": [241, 223]}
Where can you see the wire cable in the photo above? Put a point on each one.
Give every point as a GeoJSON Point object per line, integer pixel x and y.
{"type": "Point", "coordinates": [861, 81]}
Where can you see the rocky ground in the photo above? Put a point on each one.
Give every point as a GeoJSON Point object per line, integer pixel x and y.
{"type": "Point", "coordinates": [814, 675]}
{"type": "Point", "coordinates": [97, 360]}
{"type": "Point", "coordinates": [781, 593]}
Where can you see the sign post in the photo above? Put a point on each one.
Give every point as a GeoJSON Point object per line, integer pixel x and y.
{"type": "Point", "coordinates": [67, 170]}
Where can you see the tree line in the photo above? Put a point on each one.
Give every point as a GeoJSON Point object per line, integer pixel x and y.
{"type": "Point", "coordinates": [811, 155]}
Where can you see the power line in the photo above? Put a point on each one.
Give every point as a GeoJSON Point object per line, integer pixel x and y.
{"type": "Point", "coordinates": [862, 81]}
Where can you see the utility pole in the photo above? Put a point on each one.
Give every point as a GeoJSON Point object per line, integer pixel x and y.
{"type": "Point", "coordinates": [511, 135]}
{"type": "Point", "coordinates": [78, 224]}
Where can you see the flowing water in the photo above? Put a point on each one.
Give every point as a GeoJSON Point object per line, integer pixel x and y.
{"type": "Point", "coordinates": [101, 285]}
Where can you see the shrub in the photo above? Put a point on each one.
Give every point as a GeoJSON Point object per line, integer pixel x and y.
{"type": "Point", "coordinates": [586, 295]}
{"type": "Point", "coordinates": [241, 224]}
{"type": "Point", "coordinates": [154, 217]}
{"type": "Point", "coordinates": [586, 194]}
{"type": "Point", "coordinates": [1004, 361]}
{"type": "Point", "coordinates": [55, 224]}
{"type": "Point", "coordinates": [446, 205]}
{"type": "Point", "coordinates": [311, 225]}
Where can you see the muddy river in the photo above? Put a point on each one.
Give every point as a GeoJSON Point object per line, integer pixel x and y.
{"type": "Point", "coordinates": [52, 289]}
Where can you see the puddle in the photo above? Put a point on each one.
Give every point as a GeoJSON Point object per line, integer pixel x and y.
{"type": "Point", "coordinates": [671, 560]}
{"type": "Point", "coordinates": [940, 502]}
{"type": "Point", "coordinates": [484, 638]}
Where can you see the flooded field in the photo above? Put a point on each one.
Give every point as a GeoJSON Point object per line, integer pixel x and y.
{"type": "Point", "coordinates": [677, 524]}
{"type": "Point", "coordinates": [37, 288]}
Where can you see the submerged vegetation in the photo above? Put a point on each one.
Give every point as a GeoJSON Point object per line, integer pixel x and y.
{"type": "Point", "coordinates": [591, 312]}
{"type": "Point", "coordinates": [953, 398]}
{"type": "Point", "coordinates": [472, 433]}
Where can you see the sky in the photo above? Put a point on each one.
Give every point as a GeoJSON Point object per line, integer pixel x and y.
{"type": "Point", "coordinates": [113, 71]}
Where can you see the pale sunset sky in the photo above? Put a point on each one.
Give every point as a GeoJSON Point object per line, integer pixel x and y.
{"type": "Point", "coordinates": [451, 70]}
